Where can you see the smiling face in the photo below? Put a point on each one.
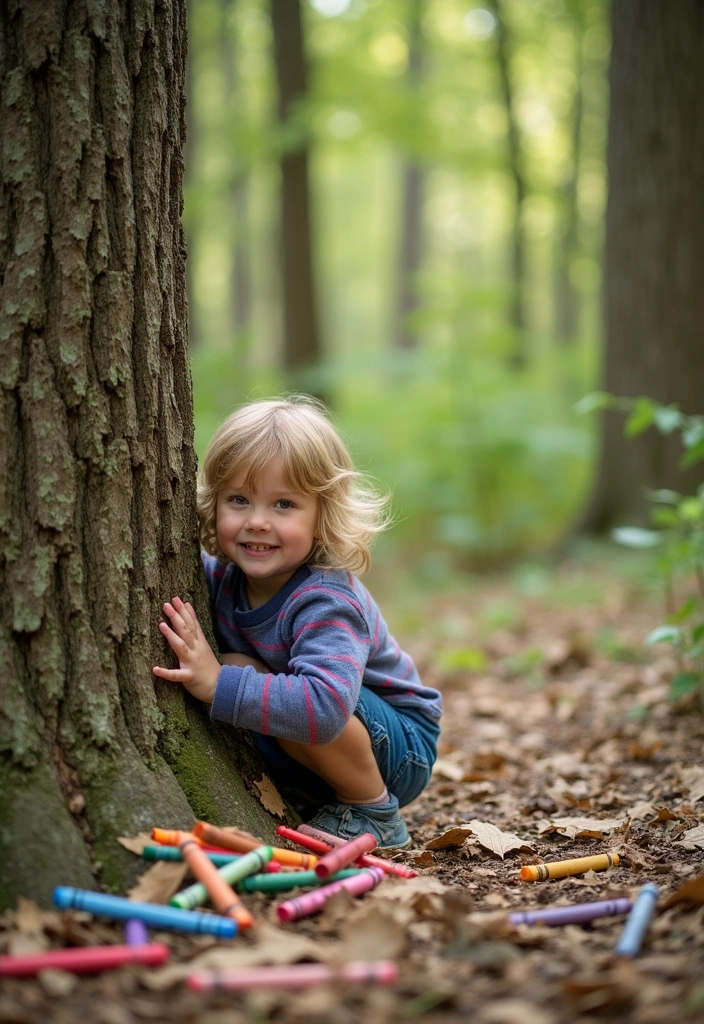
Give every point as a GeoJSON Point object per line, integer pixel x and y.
{"type": "Point", "coordinates": [266, 528]}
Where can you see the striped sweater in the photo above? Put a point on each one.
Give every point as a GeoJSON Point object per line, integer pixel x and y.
{"type": "Point", "coordinates": [323, 638]}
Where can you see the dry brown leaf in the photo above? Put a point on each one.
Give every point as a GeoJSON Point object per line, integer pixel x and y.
{"type": "Point", "coordinates": [373, 934]}
{"type": "Point", "coordinates": [693, 779]}
{"type": "Point", "coordinates": [159, 883]}
{"type": "Point", "coordinates": [448, 770]}
{"type": "Point", "coordinates": [664, 814]}
{"type": "Point", "coordinates": [641, 810]}
{"type": "Point", "coordinates": [572, 827]}
{"type": "Point", "coordinates": [493, 839]}
{"type": "Point", "coordinates": [693, 838]}
{"type": "Point", "coordinates": [691, 892]}
{"type": "Point", "coordinates": [28, 917]}
{"type": "Point", "coordinates": [136, 844]}
{"type": "Point", "coordinates": [270, 797]}
{"type": "Point", "coordinates": [453, 838]}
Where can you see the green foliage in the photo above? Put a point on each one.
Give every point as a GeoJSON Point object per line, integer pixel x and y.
{"type": "Point", "coordinates": [678, 533]}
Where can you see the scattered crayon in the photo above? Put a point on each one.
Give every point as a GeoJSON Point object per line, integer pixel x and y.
{"type": "Point", "coordinates": [389, 867]}
{"type": "Point", "coordinates": [312, 902]}
{"type": "Point", "coordinates": [563, 868]}
{"type": "Point", "coordinates": [135, 932]}
{"type": "Point", "coordinates": [346, 854]}
{"type": "Point", "coordinates": [218, 859]}
{"type": "Point", "coordinates": [196, 895]}
{"type": "Point", "coordinates": [581, 912]}
{"type": "Point", "coordinates": [636, 925]}
{"type": "Point", "coordinates": [383, 972]}
{"type": "Point", "coordinates": [83, 960]}
{"type": "Point", "coordinates": [308, 841]}
{"type": "Point", "coordinates": [172, 836]}
{"type": "Point", "coordinates": [241, 843]}
{"type": "Point", "coordinates": [291, 880]}
{"type": "Point", "coordinates": [223, 896]}
{"type": "Point", "coordinates": [154, 914]}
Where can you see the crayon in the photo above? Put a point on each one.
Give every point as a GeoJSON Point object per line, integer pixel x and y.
{"type": "Point", "coordinates": [84, 959]}
{"type": "Point", "coordinates": [244, 844]}
{"type": "Point", "coordinates": [153, 914]}
{"type": "Point", "coordinates": [389, 867]}
{"type": "Point", "coordinates": [222, 895]}
{"type": "Point", "coordinates": [312, 902]}
{"type": "Point", "coordinates": [196, 895]}
{"type": "Point", "coordinates": [290, 880]}
{"type": "Point", "coordinates": [636, 925]}
{"type": "Point", "coordinates": [581, 912]}
{"type": "Point", "coordinates": [343, 855]}
{"type": "Point", "coordinates": [308, 841]}
{"type": "Point", "coordinates": [218, 859]}
{"type": "Point", "coordinates": [383, 972]}
{"type": "Point", "coordinates": [135, 932]}
{"type": "Point", "coordinates": [563, 868]}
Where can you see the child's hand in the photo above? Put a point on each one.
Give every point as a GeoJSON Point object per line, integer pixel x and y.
{"type": "Point", "coordinates": [198, 667]}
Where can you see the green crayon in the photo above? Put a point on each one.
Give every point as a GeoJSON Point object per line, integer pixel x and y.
{"type": "Point", "coordinates": [290, 880]}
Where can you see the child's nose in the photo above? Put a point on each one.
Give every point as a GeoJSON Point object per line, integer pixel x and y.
{"type": "Point", "coordinates": [257, 519]}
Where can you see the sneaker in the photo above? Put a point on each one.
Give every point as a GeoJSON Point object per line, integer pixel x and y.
{"type": "Point", "coordinates": [350, 820]}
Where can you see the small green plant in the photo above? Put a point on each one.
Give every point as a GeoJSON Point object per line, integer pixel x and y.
{"type": "Point", "coordinates": [677, 535]}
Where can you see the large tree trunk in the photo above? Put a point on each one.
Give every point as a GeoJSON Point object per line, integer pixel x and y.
{"type": "Point", "coordinates": [654, 247]}
{"type": "Point", "coordinates": [97, 466]}
{"type": "Point", "coordinates": [301, 342]}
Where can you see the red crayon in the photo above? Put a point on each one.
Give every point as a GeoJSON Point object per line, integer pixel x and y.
{"type": "Point", "coordinates": [343, 855]}
{"type": "Point", "coordinates": [384, 972]}
{"type": "Point", "coordinates": [309, 842]}
{"type": "Point", "coordinates": [83, 960]}
{"type": "Point", "coordinates": [308, 834]}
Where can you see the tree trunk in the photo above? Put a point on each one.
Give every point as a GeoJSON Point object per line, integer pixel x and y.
{"type": "Point", "coordinates": [654, 247]}
{"type": "Point", "coordinates": [301, 343]}
{"type": "Point", "coordinates": [97, 466]}
{"type": "Point", "coordinates": [519, 355]}
{"type": "Point", "coordinates": [413, 180]}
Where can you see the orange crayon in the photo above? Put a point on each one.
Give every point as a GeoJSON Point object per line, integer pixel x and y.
{"type": "Point", "coordinates": [564, 868]}
{"type": "Point", "coordinates": [241, 843]}
{"type": "Point", "coordinates": [223, 896]}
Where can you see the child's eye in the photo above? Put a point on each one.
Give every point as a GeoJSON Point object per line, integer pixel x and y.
{"type": "Point", "coordinates": [238, 499]}
{"type": "Point", "coordinates": [284, 503]}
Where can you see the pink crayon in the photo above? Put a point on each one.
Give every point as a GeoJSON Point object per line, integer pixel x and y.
{"type": "Point", "coordinates": [366, 860]}
{"type": "Point", "coordinates": [383, 972]}
{"type": "Point", "coordinates": [83, 960]}
{"type": "Point", "coordinates": [312, 902]}
{"type": "Point", "coordinates": [343, 855]}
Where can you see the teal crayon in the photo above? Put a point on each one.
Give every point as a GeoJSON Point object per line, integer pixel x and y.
{"type": "Point", "coordinates": [290, 880]}
{"type": "Point", "coordinates": [636, 925]}
{"type": "Point", "coordinates": [218, 859]}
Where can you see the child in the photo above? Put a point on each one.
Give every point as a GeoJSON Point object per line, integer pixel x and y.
{"type": "Point", "coordinates": [307, 663]}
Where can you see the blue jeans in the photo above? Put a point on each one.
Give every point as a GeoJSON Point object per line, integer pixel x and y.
{"type": "Point", "coordinates": [404, 743]}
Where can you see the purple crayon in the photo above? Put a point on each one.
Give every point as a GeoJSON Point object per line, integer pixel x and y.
{"type": "Point", "coordinates": [578, 914]}
{"type": "Point", "coordinates": [312, 902]}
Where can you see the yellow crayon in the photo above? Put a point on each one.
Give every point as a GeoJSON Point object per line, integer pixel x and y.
{"type": "Point", "coordinates": [563, 868]}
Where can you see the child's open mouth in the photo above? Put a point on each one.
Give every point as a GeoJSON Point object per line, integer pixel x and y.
{"type": "Point", "coordinates": [259, 548]}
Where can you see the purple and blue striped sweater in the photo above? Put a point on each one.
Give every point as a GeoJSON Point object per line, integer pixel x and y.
{"type": "Point", "coordinates": [323, 637]}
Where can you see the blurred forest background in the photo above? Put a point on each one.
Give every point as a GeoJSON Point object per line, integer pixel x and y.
{"type": "Point", "coordinates": [399, 206]}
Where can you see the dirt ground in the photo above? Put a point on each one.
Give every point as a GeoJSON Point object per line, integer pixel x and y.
{"type": "Point", "coordinates": [559, 741]}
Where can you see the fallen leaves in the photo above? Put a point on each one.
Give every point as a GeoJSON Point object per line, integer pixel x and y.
{"type": "Point", "coordinates": [590, 827]}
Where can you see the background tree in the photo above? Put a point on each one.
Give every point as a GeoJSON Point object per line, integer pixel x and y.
{"type": "Point", "coordinates": [654, 248]}
{"type": "Point", "coordinates": [301, 341]}
{"type": "Point", "coordinates": [97, 467]}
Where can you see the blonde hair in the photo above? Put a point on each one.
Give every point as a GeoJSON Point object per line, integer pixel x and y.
{"type": "Point", "coordinates": [315, 461]}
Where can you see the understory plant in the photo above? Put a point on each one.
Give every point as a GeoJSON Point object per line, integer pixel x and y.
{"type": "Point", "coordinates": [677, 535]}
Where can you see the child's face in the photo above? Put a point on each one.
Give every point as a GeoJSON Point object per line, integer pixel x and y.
{"type": "Point", "coordinates": [268, 529]}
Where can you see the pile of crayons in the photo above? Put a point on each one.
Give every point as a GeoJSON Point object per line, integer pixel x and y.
{"type": "Point", "coordinates": [227, 864]}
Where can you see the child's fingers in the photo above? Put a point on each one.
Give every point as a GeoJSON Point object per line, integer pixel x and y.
{"type": "Point", "coordinates": [174, 675]}
{"type": "Point", "coordinates": [176, 642]}
{"type": "Point", "coordinates": [178, 623]}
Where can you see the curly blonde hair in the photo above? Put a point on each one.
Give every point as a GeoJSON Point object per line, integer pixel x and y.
{"type": "Point", "coordinates": [315, 460]}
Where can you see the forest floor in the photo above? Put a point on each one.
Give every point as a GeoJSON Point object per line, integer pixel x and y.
{"type": "Point", "coordinates": [559, 741]}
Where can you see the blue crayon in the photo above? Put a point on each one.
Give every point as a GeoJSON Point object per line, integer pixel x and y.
{"type": "Point", "coordinates": [577, 914]}
{"type": "Point", "coordinates": [636, 926]}
{"type": "Point", "coordinates": [153, 914]}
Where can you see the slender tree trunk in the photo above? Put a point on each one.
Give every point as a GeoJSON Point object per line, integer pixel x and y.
{"type": "Point", "coordinates": [519, 356]}
{"type": "Point", "coordinates": [97, 467]}
{"type": "Point", "coordinates": [301, 342]}
{"type": "Point", "coordinates": [412, 191]}
{"type": "Point", "coordinates": [654, 247]}
{"type": "Point", "coordinates": [239, 194]}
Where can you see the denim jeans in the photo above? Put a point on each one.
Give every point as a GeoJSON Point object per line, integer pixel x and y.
{"type": "Point", "coordinates": [404, 742]}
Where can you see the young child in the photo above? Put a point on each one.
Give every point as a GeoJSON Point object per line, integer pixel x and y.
{"type": "Point", "coordinates": [307, 663]}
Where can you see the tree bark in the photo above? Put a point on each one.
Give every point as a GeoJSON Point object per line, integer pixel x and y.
{"type": "Point", "coordinates": [654, 300]}
{"type": "Point", "coordinates": [97, 466]}
{"type": "Point", "coordinates": [301, 341]}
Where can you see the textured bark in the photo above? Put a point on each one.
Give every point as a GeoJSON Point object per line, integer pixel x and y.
{"type": "Point", "coordinates": [97, 466]}
{"type": "Point", "coordinates": [654, 247]}
{"type": "Point", "coordinates": [301, 342]}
